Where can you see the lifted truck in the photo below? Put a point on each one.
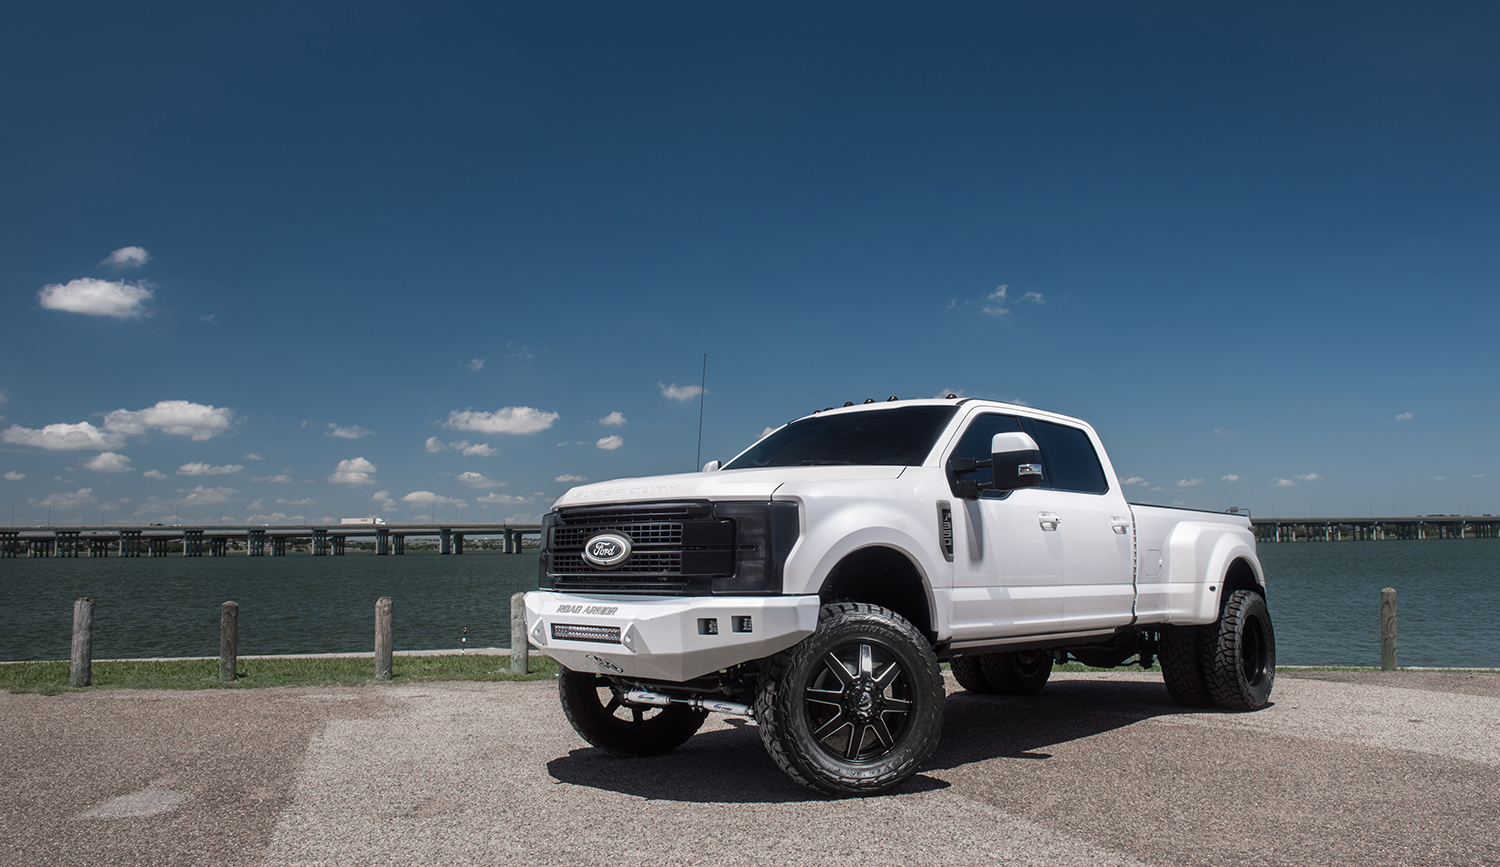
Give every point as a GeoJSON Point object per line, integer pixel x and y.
{"type": "Point", "coordinates": [816, 581]}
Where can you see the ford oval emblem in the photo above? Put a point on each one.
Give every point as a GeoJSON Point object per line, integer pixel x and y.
{"type": "Point", "coordinates": [607, 550]}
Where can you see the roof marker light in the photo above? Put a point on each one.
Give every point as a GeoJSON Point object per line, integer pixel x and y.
{"type": "Point", "coordinates": [869, 400]}
{"type": "Point", "coordinates": [848, 403]}
{"type": "Point", "coordinates": [891, 398]}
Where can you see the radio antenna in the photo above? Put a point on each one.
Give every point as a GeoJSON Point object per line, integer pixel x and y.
{"type": "Point", "coordinates": [702, 390]}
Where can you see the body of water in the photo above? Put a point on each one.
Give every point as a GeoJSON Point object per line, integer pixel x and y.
{"type": "Point", "coordinates": [1324, 599]}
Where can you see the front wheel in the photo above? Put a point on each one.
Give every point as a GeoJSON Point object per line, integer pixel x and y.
{"type": "Point", "coordinates": [856, 707]}
{"type": "Point", "coordinates": [1239, 654]}
{"type": "Point", "coordinates": [599, 714]}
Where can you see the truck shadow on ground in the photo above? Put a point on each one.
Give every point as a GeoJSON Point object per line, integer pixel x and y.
{"type": "Point", "coordinates": [730, 765]}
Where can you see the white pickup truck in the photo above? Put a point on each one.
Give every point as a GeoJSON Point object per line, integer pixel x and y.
{"type": "Point", "coordinates": [816, 581]}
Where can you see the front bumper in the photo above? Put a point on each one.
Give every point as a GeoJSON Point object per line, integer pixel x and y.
{"type": "Point", "coordinates": [671, 639]}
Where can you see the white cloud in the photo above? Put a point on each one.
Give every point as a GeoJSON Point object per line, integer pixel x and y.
{"type": "Point", "coordinates": [353, 432]}
{"type": "Point", "coordinates": [253, 457]}
{"type": "Point", "coordinates": [428, 498]}
{"type": "Point", "coordinates": [508, 420]}
{"type": "Point", "coordinates": [305, 501]}
{"type": "Point", "coordinates": [520, 351]}
{"type": "Point", "coordinates": [64, 437]}
{"type": "Point", "coordinates": [207, 317]}
{"type": "Point", "coordinates": [434, 445]}
{"type": "Point", "coordinates": [154, 474]}
{"type": "Point", "coordinates": [1034, 297]}
{"type": "Point", "coordinates": [476, 364]}
{"type": "Point", "coordinates": [1134, 480]}
{"type": "Point", "coordinates": [1405, 416]}
{"type": "Point", "coordinates": [80, 497]}
{"type": "Point", "coordinates": [93, 297]}
{"type": "Point", "coordinates": [273, 518]}
{"type": "Point", "coordinates": [483, 450]}
{"type": "Point", "coordinates": [387, 503]}
{"type": "Point", "coordinates": [15, 476]}
{"type": "Point", "coordinates": [610, 443]}
{"type": "Point", "coordinates": [995, 300]}
{"type": "Point", "coordinates": [567, 477]}
{"type": "Point", "coordinates": [355, 471]}
{"type": "Point", "coordinates": [683, 393]}
{"type": "Point", "coordinates": [614, 419]}
{"type": "Point", "coordinates": [1229, 478]}
{"type": "Point", "coordinates": [1310, 477]}
{"type": "Point", "coordinates": [492, 499]}
{"type": "Point", "coordinates": [479, 480]}
{"type": "Point", "coordinates": [766, 432]}
{"type": "Point", "coordinates": [108, 462]}
{"type": "Point", "coordinates": [1189, 483]}
{"type": "Point", "coordinates": [183, 418]}
{"type": "Point", "coordinates": [201, 496]}
{"type": "Point", "coordinates": [280, 478]}
{"type": "Point", "coordinates": [127, 257]}
{"type": "Point", "coordinates": [1284, 483]}
{"type": "Point", "coordinates": [203, 469]}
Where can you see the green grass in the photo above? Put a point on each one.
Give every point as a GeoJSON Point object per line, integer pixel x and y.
{"type": "Point", "coordinates": [51, 678]}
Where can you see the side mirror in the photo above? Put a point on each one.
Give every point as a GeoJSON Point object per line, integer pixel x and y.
{"type": "Point", "coordinates": [1015, 462]}
{"type": "Point", "coordinates": [711, 467]}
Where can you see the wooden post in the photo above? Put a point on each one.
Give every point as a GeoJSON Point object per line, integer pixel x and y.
{"type": "Point", "coordinates": [383, 638]}
{"type": "Point", "coordinates": [1388, 629]}
{"type": "Point", "coordinates": [229, 641]}
{"type": "Point", "coordinates": [81, 669]}
{"type": "Point", "coordinates": [520, 647]}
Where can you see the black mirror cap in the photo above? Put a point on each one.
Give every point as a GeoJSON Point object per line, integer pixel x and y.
{"type": "Point", "coordinates": [1015, 470]}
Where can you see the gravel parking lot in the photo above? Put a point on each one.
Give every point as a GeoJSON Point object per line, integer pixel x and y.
{"type": "Point", "coordinates": [1344, 768]}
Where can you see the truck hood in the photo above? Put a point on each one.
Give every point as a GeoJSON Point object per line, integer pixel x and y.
{"type": "Point", "coordinates": [723, 485]}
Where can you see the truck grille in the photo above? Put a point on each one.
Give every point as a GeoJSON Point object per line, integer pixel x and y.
{"type": "Point", "coordinates": [673, 546]}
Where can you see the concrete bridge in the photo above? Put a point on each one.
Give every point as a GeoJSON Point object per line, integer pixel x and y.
{"type": "Point", "coordinates": [1376, 529]}
{"type": "Point", "coordinates": [259, 540]}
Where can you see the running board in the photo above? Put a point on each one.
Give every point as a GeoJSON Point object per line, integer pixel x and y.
{"type": "Point", "coordinates": [1028, 642]}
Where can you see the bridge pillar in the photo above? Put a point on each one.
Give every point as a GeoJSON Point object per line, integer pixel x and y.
{"type": "Point", "coordinates": [400, 544]}
{"type": "Point", "coordinates": [278, 546]}
{"type": "Point", "coordinates": [192, 543]}
{"type": "Point", "coordinates": [320, 542]}
{"type": "Point", "coordinates": [382, 540]}
{"type": "Point", "coordinates": [9, 542]}
{"type": "Point", "coordinates": [255, 543]}
{"type": "Point", "coordinates": [458, 543]}
{"type": "Point", "coordinates": [338, 546]}
{"type": "Point", "coordinates": [511, 543]}
{"type": "Point", "coordinates": [445, 541]}
{"type": "Point", "coordinates": [218, 546]}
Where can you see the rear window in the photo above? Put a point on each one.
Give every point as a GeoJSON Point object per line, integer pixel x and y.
{"type": "Point", "coordinates": [901, 436]}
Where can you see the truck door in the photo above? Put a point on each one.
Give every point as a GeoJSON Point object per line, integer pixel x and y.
{"type": "Point", "coordinates": [1007, 566]}
{"type": "Point", "coordinates": [1094, 525]}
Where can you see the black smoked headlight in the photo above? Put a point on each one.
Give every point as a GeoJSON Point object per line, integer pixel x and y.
{"type": "Point", "coordinates": [544, 563]}
{"type": "Point", "coordinates": [764, 536]}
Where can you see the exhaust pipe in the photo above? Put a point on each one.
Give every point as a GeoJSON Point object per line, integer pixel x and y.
{"type": "Point", "coordinates": [656, 699]}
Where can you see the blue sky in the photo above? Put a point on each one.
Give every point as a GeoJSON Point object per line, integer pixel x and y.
{"type": "Point", "coordinates": [348, 259]}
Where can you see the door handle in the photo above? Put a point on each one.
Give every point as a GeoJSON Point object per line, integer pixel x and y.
{"type": "Point", "coordinates": [1120, 525]}
{"type": "Point", "coordinates": [1048, 520]}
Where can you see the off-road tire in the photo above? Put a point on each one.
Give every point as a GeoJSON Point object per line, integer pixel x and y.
{"type": "Point", "coordinates": [600, 716]}
{"type": "Point", "coordinates": [1019, 672]}
{"type": "Point", "coordinates": [856, 707]}
{"type": "Point", "coordinates": [1180, 649]}
{"type": "Point", "coordinates": [969, 672]}
{"type": "Point", "coordinates": [1239, 654]}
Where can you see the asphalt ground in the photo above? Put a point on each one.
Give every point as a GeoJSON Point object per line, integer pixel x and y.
{"type": "Point", "coordinates": [1100, 769]}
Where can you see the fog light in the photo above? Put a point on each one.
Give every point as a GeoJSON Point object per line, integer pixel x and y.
{"type": "Point", "coordinates": [741, 623]}
{"type": "Point", "coordinates": [708, 626]}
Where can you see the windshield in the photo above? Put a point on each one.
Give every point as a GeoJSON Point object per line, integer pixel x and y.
{"type": "Point", "coordinates": [888, 437]}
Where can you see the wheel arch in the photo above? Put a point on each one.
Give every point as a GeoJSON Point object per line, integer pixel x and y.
{"type": "Point", "coordinates": [884, 575]}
